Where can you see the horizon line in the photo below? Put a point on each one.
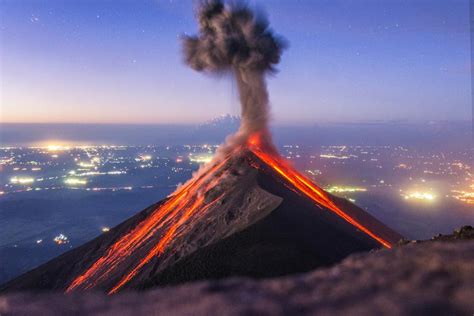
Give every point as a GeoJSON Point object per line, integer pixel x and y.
{"type": "Point", "coordinates": [274, 122]}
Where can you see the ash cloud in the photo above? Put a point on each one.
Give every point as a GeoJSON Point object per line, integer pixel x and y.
{"type": "Point", "coordinates": [233, 38]}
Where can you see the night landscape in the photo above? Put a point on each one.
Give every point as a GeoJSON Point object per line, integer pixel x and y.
{"type": "Point", "coordinates": [233, 158]}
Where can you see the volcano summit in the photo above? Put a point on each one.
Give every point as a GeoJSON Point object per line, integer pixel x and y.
{"type": "Point", "coordinates": [246, 213]}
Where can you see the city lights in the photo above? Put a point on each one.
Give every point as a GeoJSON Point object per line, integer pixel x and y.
{"type": "Point", "coordinates": [75, 181]}
{"type": "Point", "coordinates": [56, 147]}
{"type": "Point", "coordinates": [330, 156]}
{"type": "Point", "coordinates": [344, 189]}
{"type": "Point", "coordinates": [419, 195]}
{"type": "Point", "coordinates": [466, 196]}
{"type": "Point", "coordinates": [21, 180]}
{"type": "Point", "coordinates": [61, 239]}
{"type": "Point", "coordinates": [117, 172]}
{"type": "Point", "coordinates": [143, 158]}
{"type": "Point", "coordinates": [113, 167]}
{"type": "Point", "coordinates": [85, 164]}
{"type": "Point", "coordinates": [200, 159]}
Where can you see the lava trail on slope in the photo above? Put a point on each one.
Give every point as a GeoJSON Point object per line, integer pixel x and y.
{"type": "Point", "coordinates": [172, 214]}
{"type": "Point", "coordinates": [305, 186]}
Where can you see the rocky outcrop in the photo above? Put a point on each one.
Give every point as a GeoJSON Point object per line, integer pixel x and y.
{"type": "Point", "coordinates": [433, 278]}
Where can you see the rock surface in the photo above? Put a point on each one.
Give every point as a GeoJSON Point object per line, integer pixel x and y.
{"type": "Point", "coordinates": [433, 278]}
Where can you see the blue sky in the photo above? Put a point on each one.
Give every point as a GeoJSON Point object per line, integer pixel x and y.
{"type": "Point", "coordinates": [120, 62]}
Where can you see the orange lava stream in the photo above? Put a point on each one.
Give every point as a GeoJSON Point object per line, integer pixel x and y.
{"type": "Point", "coordinates": [127, 244]}
{"type": "Point", "coordinates": [305, 186]}
{"type": "Point", "coordinates": [161, 246]}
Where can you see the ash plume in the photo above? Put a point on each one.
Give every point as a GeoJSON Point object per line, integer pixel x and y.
{"type": "Point", "coordinates": [233, 38]}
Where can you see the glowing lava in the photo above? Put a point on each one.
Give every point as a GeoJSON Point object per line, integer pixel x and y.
{"type": "Point", "coordinates": [171, 215]}
{"type": "Point", "coordinates": [305, 186]}
{"type": "Point", "coordinates": [188, 202]}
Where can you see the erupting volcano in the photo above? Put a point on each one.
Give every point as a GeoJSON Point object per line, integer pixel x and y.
{"type": "Point", "coordinates": [248, 212]}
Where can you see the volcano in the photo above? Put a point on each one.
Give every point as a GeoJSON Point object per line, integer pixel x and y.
{"type": "Point", "coordinates": [250, 214]}
{"type": "Point", "coordinates": [246, 213]}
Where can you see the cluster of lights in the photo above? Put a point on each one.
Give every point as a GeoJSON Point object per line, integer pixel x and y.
{"type": "Point", "coordinates": [54, 147]}
{"type": "Point", "coordinates": [460, 165]}
{"type": "Point", "coordinates": [21, 180]}
{"type": "Point", "coordinates": [464, 196]}
{"type": "Point", "coordinates": [417, 195]}
{"type": "Point", "coordinates": [116, 172]}
{"type": "Point", "coordinates": [143, 158]}
{"type": "Point", "coordinates": [200, 159]}
{"type": "Point", "coordinates": [86, 164]}
{"type": "Point", "coordinates": [402, 166]}
{"type": "Point", "coordinates": [330, 156]}
{"type": "Point", "coordinates": [75, 181]}
{"type": "Point", "coordinates": [61, 239]}
{"type": "Point", "coordinates": [342, 189]}
{"type": "Point", "coordinates": [113, 189]}
{"type": "Point", "coordinates": [314, 172]}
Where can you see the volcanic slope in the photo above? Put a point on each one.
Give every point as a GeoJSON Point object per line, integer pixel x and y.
{"type": "Point", "coordinates": [246, 219]}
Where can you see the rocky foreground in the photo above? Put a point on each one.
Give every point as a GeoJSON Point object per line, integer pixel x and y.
{"type": "Point", "coordinates": [428, 278]}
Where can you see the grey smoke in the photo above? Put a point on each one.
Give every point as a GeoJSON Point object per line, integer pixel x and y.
{"type": "Point", "coordinates": [233, 38]}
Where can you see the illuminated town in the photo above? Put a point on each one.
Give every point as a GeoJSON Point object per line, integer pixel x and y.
{"type": "Point", "coordinates": [411, 175]}
{"type": "Point", "coordinates": [97, 168]}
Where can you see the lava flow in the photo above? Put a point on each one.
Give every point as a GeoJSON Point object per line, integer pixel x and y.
{"type": "Point", "coordinates": [172, 214]}
{"type": "Point", "coordinates": [304, 185]}
{"type": "Point", "coordinates": [189, 202]}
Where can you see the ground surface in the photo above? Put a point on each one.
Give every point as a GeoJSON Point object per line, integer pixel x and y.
{"type": "Point", "coordinates": [429, 278]}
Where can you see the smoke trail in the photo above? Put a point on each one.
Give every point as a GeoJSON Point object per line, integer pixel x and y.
{"type": "Point", "coordinates": [233, 38]}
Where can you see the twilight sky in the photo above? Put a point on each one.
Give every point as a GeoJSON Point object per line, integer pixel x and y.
{"type": "Point", "coordinates": [120, 62]}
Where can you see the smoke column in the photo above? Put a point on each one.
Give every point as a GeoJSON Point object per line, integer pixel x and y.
{"type": "Point", "coordinates": [233, 38]}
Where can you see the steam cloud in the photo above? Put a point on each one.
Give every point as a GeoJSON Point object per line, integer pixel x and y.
{"type": "Point", "coordinates": [233, 38]}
